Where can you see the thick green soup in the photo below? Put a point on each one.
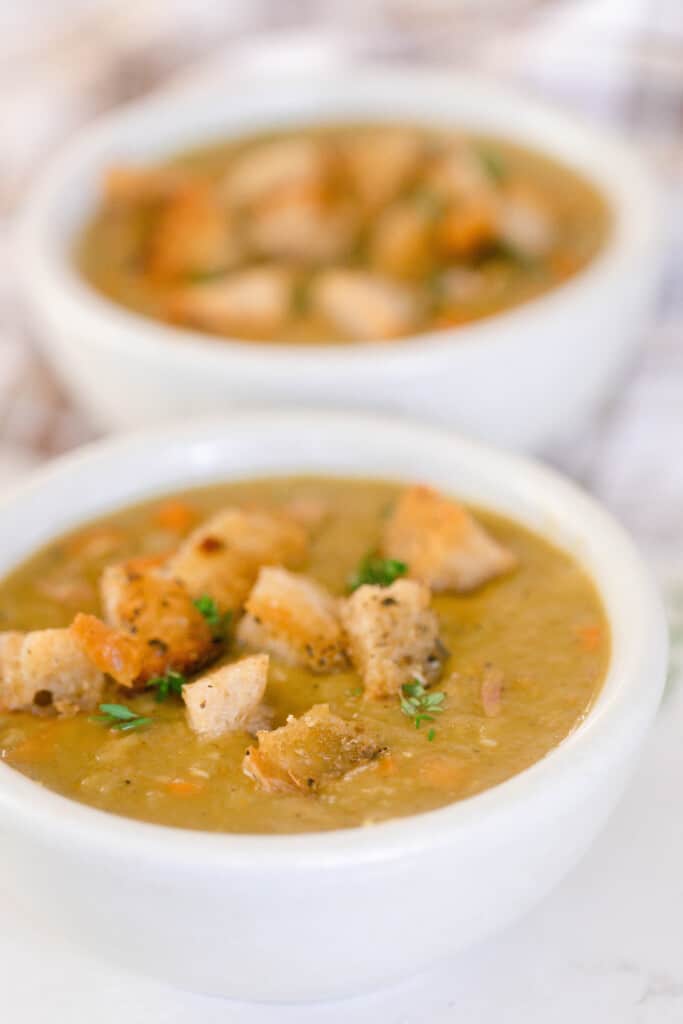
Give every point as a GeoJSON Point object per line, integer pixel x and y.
{"type": "Point", "coordinates": [338, 234]}
{"type": "Point", "coordinates": [292, 655]}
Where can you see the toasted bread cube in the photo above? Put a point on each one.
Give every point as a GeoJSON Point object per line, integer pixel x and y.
{"type": "Point", "coordinates": [526, 222]}
{"type": "Point", "coordinates": [227, 699]}
{"type": "Point", "coordinates": [222, 557]}
{"type": "Point", "coordinates": [467, 228]}
{"type": "Point", "coordinates": [139, 185]}
{"type": "Point", "coordinates": [44, 668]}
{"type": "Point", "coordinates": [381, 162]}
{"type": "Point", "coordinates": [158, 611]}
{"type": "Point", "coordinates": [442, 543]}
{"type": "Point", "coordinates": [393, 636]}
{"type": "Point", "coordinates": [262, 170]}
{"type": "Point", "coordinates": [193, 235]}
{"type": "Point", "coordinates": [458, 175]}
{"type": "Point", "coordinates": [248, 303]}
{"type": "Point", "coordinates": [295, 619]}
{"type": "Point", "coordinates": [401, 243]}
{"type": "Point", "coordinates": [301, 225]}
{"type": "Point", "coordinates": [307, 752]}
{"type": "Point", "coordinates": [364, 305]}
{"type": "Point", "coordinates": [112, 651]}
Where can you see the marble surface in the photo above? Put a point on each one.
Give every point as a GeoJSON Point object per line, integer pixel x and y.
{"type": "Point", "coordinates": [607, 946]}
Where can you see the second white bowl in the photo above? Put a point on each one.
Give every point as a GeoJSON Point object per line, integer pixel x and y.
{"type": "Point", "coordinates": [521, 378]}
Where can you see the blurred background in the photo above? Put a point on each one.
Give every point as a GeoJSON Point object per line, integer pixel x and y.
{"type": "Point", "coordinates": [64, 62]}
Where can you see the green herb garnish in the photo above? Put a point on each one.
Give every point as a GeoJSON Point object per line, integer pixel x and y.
{"type": "Point", "coordinates": [118, 716]}
{"type": "Point", "coordinates": [218, 621]}
{"type": "Point", "coordinates": [493, 164]}
{"type": "Point", "coordinates": [421, 705]}
{"type": "Point", "coordinates": [379, 571]}
{"type": "Point", "coordinates": [170, 683]}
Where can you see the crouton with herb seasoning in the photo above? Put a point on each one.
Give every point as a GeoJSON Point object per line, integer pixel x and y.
{"type": "Point", "coordinates": [393, 636]}
{"type": "Point", "coordinates": [249, 303]}
{"type": "Point", "coordinates": [222, 557]}
{"type": "Point", "coordinates": [442, 543]}
{"type": "Point", "coordinates": [295, 619]}
{"type": "Point", "coordinates": [364, 305]}
{"type": "Point", "coordinates": [116, 653]}
{"type": "Point", "coordinates": [47, 668]}
{"type": "Point", "coordinates": [228, 698]}
{"type": "Point", "coordinates": [159, 612]}
{"type": "Point", "coordinates": [302, 225]}
{"type": "Point", "coordinates": [309, 751]}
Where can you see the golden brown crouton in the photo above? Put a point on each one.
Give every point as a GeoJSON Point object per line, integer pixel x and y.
{"type": "Point", "coordinates": [226, 699]}
{"type": "Point", "coordinates": [295, 619]}
{"type": "Point", "coordinates": [301, 225]}
{"type": "Point", "coordinates": [193, 235]}
{"type": "Point", "coordinates": [442, 543]}
{"type": "Point", "coordinates": [158, 611]}
{"type": "Point", "coordinates": [467, 228]}
{"type": "Point", "coordinates": [526, 221]}
{"type": "Point", "coordinates": [393, 636]}
{"type": "Point", "coordinates": [381, 162]}
{"type": "Point", "coordinates": [222, 557]}
{"type": "Point", "coordinates": [309, 751]}
{"type": "Point", "coordinates": [112, 651]}
{"type": "Point", "coordinates": [137, 185]}
{"type": "Point", "coordinates": [262, 170]}
{"type": "Point", "coordinates": [44, 668]}
{"type": "Point", "coordinates": [364, 305]}
{"type": "Point", "coordinates": [401, 243]}
{"type": "Point", "coordinates": [458, 175]}
{"type": "Point", "coordinates": [248, 303]}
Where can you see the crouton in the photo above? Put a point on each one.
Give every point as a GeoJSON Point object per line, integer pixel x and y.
{"type": "Point", "coordinates": [248, 303]}
{"type": "Point", "coordinates": [467, 228]}
{"type": "Point", "coordinates": [112, 651]}
{"type": "Point", "coordinates": [222, 557]}
{"type": "Point", "coordinates": [295, 619]}
{"type": "Point", "coordinates": [381, 162]}
{"type": "Point", "coordinates": [267, 168]}
{"type": "Point", "coordinates": [193, 235]}
{"type": "Point", "coordinates": [364, 305]}
{"type": "Point", "coordinates": [301, 225]}
{"type": "Point", "coordinates": [158, 611]}
{"type": "Point", "coordinates": [139, 185]}
{"type": "Point", "coordinates": [44, 668]}
{"type": "Point", "coordinates": [526, 222]}
{"type": "Point", "coordinates": [307, 752]}
{"type": "Point", "coordinates": [226, 699]}
{"type": "Point", "coordinates": [442, 543]}
{"type": "Point", "coordinates": [401, 241]}
{"type": "Point", "coordinates": [457, 175]}
{"type": "Point", "coordinates": [393, 636]}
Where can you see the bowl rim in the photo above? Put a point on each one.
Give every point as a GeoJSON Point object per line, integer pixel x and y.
{"type": "Point", "coordinates": [624, 707]}
{"type": "Point", "coordinates": [48, 269]}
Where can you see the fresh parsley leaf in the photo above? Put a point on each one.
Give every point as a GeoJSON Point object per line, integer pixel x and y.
{"type": "Point", "coordinates": [376, 570]}
{"type": "Point", "coordinates": [218, 621]}
{"type": "Point", "coordinates": [118, 716]}
{"type": "Point", "coordinates": [420, 704]}
{"type": "Point", "coordinates": [170, 683]}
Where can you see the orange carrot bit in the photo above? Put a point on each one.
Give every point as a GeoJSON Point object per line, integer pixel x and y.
{"type": "Point", "coordinates": [386, 766]}
{"type": "Point", "coordinates": [590, 637]}
{"type": "Point", "coordinates": [175, 516]}
{"type": "Point", "coordinates": [442, 772]}
{"type": "Point", "coordinates": [183, 787]}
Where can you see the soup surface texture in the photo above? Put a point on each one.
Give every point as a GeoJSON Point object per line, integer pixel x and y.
{"type": "Point", "coordinates": [526, 653]}
{"type": "Point", "coordinates": [340, 234]}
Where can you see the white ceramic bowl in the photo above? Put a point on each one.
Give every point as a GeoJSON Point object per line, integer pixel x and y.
{"type": "Point", "coordinates": [330, 914]}
{"type": "Point", "coordinates": [521, 378]}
